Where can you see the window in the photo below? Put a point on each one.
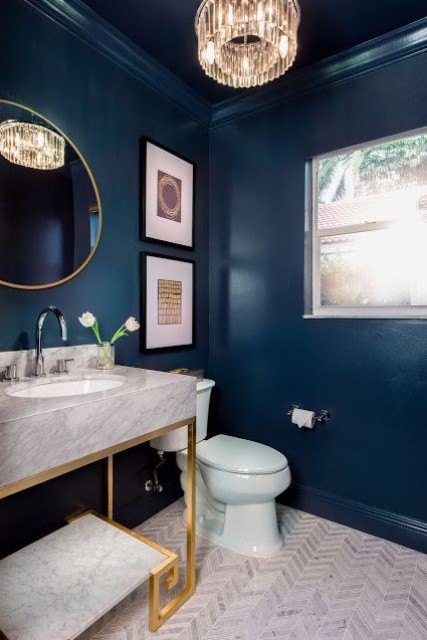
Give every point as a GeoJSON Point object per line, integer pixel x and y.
{"type": "Point", "coordinates": [368, 253]}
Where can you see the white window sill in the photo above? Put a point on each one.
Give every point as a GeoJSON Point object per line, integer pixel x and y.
{"type": "Point", "coordinates": [376, 313]}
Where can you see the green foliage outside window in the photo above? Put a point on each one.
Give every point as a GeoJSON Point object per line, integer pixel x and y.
{"type": "Point", "coordinates": [391, 165]}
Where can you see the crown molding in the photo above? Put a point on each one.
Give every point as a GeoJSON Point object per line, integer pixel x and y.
{"type": "Point", "coordinates": [78, 19]}
{"type": "Point", "coordinates": [375, 54]}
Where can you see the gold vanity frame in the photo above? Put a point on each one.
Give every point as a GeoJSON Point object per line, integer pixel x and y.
{"type": "Point", "coordinates": [169, 567]}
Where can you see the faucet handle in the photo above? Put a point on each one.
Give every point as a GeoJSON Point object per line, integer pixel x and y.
{"type": "Point", "coordinates": [61, 365]}
{"type": "Point", "coordinates": [10, 373]}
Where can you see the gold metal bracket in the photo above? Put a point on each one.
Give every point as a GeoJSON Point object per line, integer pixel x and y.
{"type": "Point", "coordinates": [157, 615]}
{"type": "Point", "coordinates": [169, 567]}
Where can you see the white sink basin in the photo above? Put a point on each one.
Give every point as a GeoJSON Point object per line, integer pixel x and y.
{"type": "Point", "coordinates": [61, 388]}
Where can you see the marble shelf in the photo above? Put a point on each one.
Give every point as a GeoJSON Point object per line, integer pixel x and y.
{"type": "Point", "coordinates": [57, 587]}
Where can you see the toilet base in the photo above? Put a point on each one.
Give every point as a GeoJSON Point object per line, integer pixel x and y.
{"type": "Point", "coordinates": [251, 530]}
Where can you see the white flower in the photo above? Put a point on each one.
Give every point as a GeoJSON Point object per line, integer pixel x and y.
{"type": "Point", "coordinates": [87, 319]}
{"type": "Point", "coordinates": [132, 324]}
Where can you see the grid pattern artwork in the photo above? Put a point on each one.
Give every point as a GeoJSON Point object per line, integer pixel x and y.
{"type": "Point", "coordinates": [169, 302]}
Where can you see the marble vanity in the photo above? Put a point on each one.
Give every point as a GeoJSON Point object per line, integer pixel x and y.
{"type": "Point", "coordinates": [57, 587]}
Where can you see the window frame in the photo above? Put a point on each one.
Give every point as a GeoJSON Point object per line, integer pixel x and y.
{"type": "Point", "coordinates": [312, 298]}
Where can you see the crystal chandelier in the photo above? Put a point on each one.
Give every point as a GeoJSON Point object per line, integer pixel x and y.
{"type": "Point", "coordinates": [31, 145]}
{"type": "Point", "coordinates": [245, 43]}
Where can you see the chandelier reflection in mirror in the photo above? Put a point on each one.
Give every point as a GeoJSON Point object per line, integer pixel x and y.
{"type": "Point", "coordinates": [246, 43]}
{"type": "Point", "coordinates": [31, 145]}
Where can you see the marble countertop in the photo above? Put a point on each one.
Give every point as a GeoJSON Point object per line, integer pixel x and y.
{"type": "Point", "coordinates": [39, 434]}
{"type": "Point", "coordinates": [134, 381]}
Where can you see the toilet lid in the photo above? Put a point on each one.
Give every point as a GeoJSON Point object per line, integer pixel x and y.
{"type": "Point", "coordinates": [240, 456]}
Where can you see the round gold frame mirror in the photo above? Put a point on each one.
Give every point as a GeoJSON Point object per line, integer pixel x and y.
{"type": "Point", "coordinates": [50, 209]}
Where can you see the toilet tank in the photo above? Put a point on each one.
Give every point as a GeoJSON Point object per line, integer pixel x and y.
{"type": "Point", "coordinates": [177, 440]}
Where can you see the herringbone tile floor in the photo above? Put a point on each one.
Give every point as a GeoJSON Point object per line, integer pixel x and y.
{"type": "Point", "coordinates": [328, 583]}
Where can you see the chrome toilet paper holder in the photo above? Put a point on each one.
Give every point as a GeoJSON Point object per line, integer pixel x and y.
{"type": "Point", "coordinates": [321, 416]}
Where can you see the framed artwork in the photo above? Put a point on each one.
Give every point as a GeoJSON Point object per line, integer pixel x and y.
{"type": "Point", "coordinates": [167, 299]}
{"type": "Point", "coordinates": [167, 196]}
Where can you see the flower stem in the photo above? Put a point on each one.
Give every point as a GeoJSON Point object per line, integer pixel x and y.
{"type": "Point", "coordinates": [95, 329]}
{"type": "Point", "coordinates": [121, 331]}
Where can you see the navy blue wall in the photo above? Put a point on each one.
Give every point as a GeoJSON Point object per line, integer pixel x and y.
{"type": "Point", "coordinates": [104, 111]}
{"type": "Point", "coordinates": [367, 466]}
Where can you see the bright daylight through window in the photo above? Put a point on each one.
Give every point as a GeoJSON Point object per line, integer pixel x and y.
{"type": "Point", "coordinates": [369, 230]}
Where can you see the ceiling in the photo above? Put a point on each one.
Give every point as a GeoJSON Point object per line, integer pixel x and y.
{"type": "Point", "coordinates": [165, 30]}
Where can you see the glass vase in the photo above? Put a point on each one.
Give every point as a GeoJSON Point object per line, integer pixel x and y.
{"type": "Point", "coordinates": [105, 356]}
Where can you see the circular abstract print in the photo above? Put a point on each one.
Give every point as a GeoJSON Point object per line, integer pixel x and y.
{"type": "Point", "coordinates": [169, 197]}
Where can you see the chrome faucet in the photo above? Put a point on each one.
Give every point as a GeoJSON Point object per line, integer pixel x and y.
{"type": "Point", "coordinates": [39, 361]}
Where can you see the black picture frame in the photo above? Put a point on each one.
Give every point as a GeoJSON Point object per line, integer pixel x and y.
{"type": "Point", "coordinates": [159, 222]}
{"type": "Point", "coordinates": [168, 335]}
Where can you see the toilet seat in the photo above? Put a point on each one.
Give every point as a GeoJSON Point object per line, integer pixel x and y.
{"type": "Point", "coordinates": [237, 455]}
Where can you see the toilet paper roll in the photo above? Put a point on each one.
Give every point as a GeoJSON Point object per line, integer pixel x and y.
{"type": "Point", "coordinates": [303, 418]}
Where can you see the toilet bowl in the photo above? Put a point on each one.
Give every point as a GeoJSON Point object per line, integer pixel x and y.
{"type": "Point", "coordinates": [237, 481]}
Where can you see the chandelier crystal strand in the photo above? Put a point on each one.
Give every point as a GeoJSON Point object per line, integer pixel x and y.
{"type": "Point", "coordinates": [31, 145]}
{"type": "Point", "coordinates": [246, 43]}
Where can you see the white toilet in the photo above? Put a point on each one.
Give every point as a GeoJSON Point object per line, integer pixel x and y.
{"type": "Point", "coordinates": [236, 484]}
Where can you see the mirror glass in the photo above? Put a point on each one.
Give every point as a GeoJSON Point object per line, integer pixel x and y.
{"type": "Point", "coordinates": [50, 211]}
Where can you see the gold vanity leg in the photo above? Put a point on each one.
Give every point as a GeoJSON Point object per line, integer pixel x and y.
{"type": "Point", "coordinates": [191, 509]}
{"type": "Point", "coordinates": [158, 616]}
{"type": "Point", "coordinates": [110, 487]}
